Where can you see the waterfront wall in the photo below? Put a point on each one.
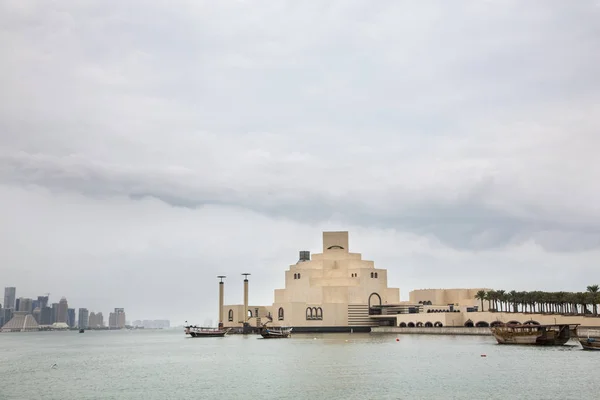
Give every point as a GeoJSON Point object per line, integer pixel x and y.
{"type": "Point", "coordinates": [446, 330]}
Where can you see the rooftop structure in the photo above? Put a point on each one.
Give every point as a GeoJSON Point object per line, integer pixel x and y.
{"type": "Point", "coordinates": [21, 322]}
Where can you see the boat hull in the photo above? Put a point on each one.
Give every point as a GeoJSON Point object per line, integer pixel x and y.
{"type": "Point", "coordinates": [206, 334]}
{"type": "Point", "coordinates": [275, 334]}
{"type": "Point", "coordinates": [533, 340]}
{"type": "Point", "coordinates": [588, 344]}
{"type": "Point", "coordinates": [197, 332]}
{"type": "Point", "coordinates": [533, 335]}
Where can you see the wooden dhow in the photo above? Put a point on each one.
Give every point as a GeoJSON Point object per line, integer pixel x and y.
{"type": "Point", "coordinates": [275, 333]}
{"type": "Point", "coordinates": [537, 335]}
{"type": "Point", "coordinates": [199, 331]}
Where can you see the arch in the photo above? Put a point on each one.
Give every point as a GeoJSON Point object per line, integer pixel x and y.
{"type": "Point", "coordinates": [496, 323]}
{"type": "Point", "coordinates": [411, 325]}
{"type": "Point", "coordinates": [319, 313]}
{"type": "Point", "coordinates": [469, 324]}
{"type": "Point", "coordinates": [513, 322]}
{"type": "Point", "coordinates": [482, 324]}
{"type": "Point", "coordinates": [335, 246]}
{"type": "Point", "coordinates": [298, 275]}
{"type": "Point", "coordinates": [372, 275]}
{"type": "Point", "coordinates": [531, 322]}
{"type": "Point", "coordinates": [402, 325]}
{"type": "Point", "coordinates": [230, 315]}
{"type": "Point", "coordinates": [375, 275]}
{"type": "Point", "coordinates": [295, 276]}
{"type": "Point", "coordinates": [438, 324]}
{"type": "Point", "coordinates": [428, 324]}
{"type": "Point", "coordinates": [280, 314]}
{"type": "Point", "coordinates": [249, 313]}
{"type": "Point", "coordinates": [419, 325]}
{"type": "Point", "coordinates": [378, 297]}
{"type": "Point", "coordinates": [309, 313]}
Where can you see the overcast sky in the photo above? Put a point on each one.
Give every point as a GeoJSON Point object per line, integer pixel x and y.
{"type": "Point", "coordinates": [146, 146]}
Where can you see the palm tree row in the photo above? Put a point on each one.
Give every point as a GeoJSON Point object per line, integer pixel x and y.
{"type": "Point", "coordinates": [542, 302]}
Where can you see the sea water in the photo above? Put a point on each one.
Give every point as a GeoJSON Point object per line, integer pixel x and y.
{"type": "Point", "coordinates": [164, 364]}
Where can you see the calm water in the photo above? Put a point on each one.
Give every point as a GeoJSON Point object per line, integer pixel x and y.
{"type": "Point", "coordinates": [166, 365]}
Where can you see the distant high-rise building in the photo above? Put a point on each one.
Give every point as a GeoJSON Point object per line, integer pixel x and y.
{"type": "Point", "coordinates": [100, 320]}
{"type": "Point", "coordinates": [7, 314]}
{"type": "Point", "coordinates": [54, 313]}
{"type": "Point", "coordinates": [10, 296]}
{"type": "Point", "coordinates": [46, 316]}
{"type": "Point", "coordinates": [117, 319]}
{"type": "Point", "coordinates": [37, 315]}
{"type": "Point", "coordinates": [82, 321]}
{"type": "Point", "coordinates": [92, 320]}
{"type": "Point", "coordinates": [71, 317]}
{"type": "Point", "coordinates": [63, 309]}
{"type": "Point", "coordinates": [42, 301]}
{"type": "Point", "coordinates": [17, 305]}
{"type": "Point", "coordinates": [1, 316]}
{"type": "Point", "coordinates": [25, 305]}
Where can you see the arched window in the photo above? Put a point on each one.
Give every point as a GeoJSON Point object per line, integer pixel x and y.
{"type": "Point", "coordinates": [230, 316]}
{"type": "Point", "coordinates": [372, 275]}
{"type": "Point", "coordinates": [319, 313]}
{"type": "Point", "coordinates": [309, 313]}
{"type": "Point", "coordinates": [249, 313]}
{"type": "Point", "coordinates": [280, 314]}
{"type": "Point", "coordinates": [298, 275]}
{"type": "Point", "coordinates": [376, 275]}
{"type": "Point", "coordinates": [295, 276]}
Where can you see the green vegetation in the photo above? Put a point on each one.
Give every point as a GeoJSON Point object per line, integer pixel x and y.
{"type": "Point", "coordinates": [579, 303]}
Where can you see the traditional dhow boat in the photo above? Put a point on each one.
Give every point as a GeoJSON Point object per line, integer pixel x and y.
{"type": "Point", "coordinates": [275, 333]}
{"type": "Point", "coordinates": [538, 335]}
{"type": "Point", "coordinates": [198, 331]}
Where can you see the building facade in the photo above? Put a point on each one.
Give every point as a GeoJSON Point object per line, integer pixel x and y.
{"type": "Point", "coordinates": [10, 298]}
{"type": "Point", "coordinates": [83, 317]}
{"type": "Point", "coordinates": [335, 290]}
{"type": "Point", "coordinates": [25, 305]}
{"type": "Point", "coordinates": [63, 310]}
{"type": "Point", "coordinates": [116, 319]}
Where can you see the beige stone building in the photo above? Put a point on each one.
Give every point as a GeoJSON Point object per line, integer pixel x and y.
{"type": "Point", "coordinates": [335, 290]}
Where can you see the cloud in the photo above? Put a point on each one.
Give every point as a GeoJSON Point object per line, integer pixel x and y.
{"type": "Point", "coordinates": [470, 126]}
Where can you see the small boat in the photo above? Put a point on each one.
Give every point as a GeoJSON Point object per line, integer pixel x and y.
{"type": "Point", "coordinates": [538, 335]}
{"type": "Point", "coordinates": [81, 331]}
{"type": "Point", "coordinates": [275, 333]}
{"type": "Point", "coordinates": [199, 331]}
{"type": "Point", "coordinates": [591, 342]}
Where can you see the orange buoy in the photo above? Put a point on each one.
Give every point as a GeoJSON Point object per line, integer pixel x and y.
{"type": "Point", "coordinates": [397, 339]}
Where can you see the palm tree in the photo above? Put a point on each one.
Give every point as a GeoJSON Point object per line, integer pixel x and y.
{"type": "Point", "coordinates": [481, 295]}
{"type": "Point", "coordinates": [593, 290]}
{"type": "Point", "coordinates": [514, 297]}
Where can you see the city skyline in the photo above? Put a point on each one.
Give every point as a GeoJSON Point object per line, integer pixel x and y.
{"type": "Point", "coordinates": [457, 142]}
{"type": "Point", "coordinates": [46, 312]}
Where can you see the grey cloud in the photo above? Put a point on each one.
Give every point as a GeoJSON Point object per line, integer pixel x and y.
{"type": "Point", "coordinates": [472, 123]}
{"type": "Point", "coordinates": [464, 224]}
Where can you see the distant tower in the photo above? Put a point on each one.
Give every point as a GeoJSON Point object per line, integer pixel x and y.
{"type": "Point", "coordinates": [83, 320]}
{"type": "Point", "coordinates": [10, 297]}
{"type": "Point", "coordinates": [221, 296]}
{"type": "Point", "coordinates": [63, 310]}
{"type": "Point", "coordinates": [245, 297]}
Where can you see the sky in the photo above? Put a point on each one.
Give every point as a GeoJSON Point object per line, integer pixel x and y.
{"type": "Point", "coordinates": [147, 147]}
